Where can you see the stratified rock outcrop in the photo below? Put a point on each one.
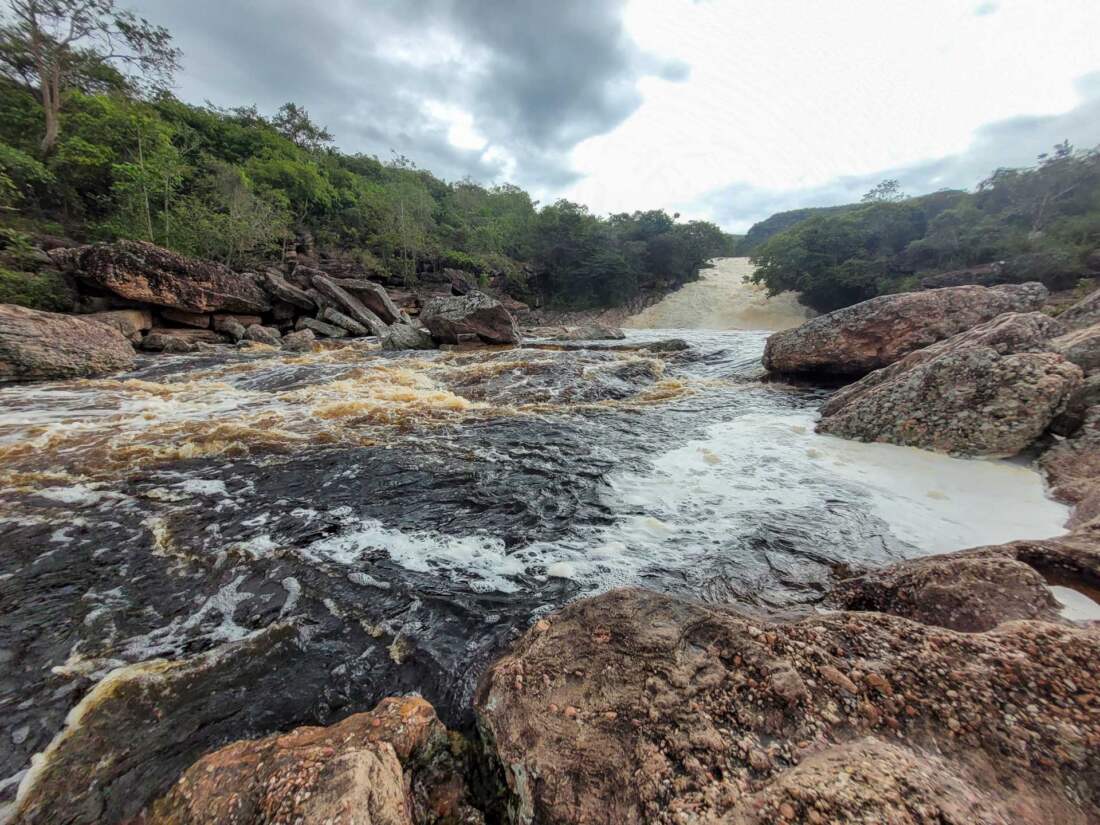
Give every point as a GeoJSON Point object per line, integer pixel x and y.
{"type": "Point", "coordinates": [349, 304]}
{"type": "Point", "coordinates": [391, 766]}
{"type": "Point", "coordinates": [638, 707]}
{"type": "Point", "coordinates": [990, 391]}
{"type": "Point", "coordinates": [474, 313]}
{"type": "Point", "coordinates": [36, 346]}
{"type": "Point", "coordinates": [145, 273]}
{"type": "Point", "coordinates": [873, 334]}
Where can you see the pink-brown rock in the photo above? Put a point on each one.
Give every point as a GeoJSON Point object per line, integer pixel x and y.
{"type": "Point", "coordinates": [146, 273]}
{"type": "Point", "coordinates": [873, 334]}
{"type": "Point", "coordinates": [679, 712]}
{"type": "Point", "coordinates": [36, 346]}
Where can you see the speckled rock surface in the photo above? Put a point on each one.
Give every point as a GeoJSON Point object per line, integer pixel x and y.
{"type": "Point", "coordinates": [867, 336]}
{"type": "Point", "coordinates": [1072, 468]}
{"type": "Point", "coordinates": [1081, 346]}
{"type": "Point", "coordinates": [983, 392]}
{"type": "Point", "coordinates": [637, 707]}
{"type": "Point", "coordinates": [391, 766]}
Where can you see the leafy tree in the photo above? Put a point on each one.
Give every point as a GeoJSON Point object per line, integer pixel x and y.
{"type": "Point", "coordinates": [888, 191]}
{"type": "Point", "coordinates": [293, 122]}
{"type": "Point", "coordinates": [49, 45]}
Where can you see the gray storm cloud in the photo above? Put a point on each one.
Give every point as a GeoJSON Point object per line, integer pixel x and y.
{"type": "Point", "coordinates": [534, 78]}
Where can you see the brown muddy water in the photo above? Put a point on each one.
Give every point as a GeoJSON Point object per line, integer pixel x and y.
{"type": "Point", "coordinates": [222, 545]}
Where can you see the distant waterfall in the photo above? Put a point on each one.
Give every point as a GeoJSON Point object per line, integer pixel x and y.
{"type": "Point", "coordinates": [721, 299]}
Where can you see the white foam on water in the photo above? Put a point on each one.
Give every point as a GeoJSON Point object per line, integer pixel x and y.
{"type": "Point", "coordinates": [481, 561]}
{"type": "Point", "coordinates": [749, 471]}
{"type": "Point", "coordinates": [204, 487]}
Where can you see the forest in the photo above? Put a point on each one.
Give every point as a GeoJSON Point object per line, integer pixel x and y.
{"type": "Point", "coordinates": [94, 147]}
{"type": "Point", "coordinates": [1036, 223]}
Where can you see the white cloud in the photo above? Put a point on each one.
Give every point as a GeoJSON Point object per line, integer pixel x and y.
{"type": "Point", "coordinates": [790, 95]}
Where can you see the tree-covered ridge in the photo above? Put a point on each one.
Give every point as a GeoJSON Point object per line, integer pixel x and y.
{"type": "Point", "coordinates": [1036, 223]}
{"type": "Point", "coordinates": [89, 151]}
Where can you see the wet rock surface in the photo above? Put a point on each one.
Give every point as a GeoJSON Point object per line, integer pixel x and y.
{"type": "Point", "coordinates": [989, 391]}
{"type": "Point", "coordinates": [873, 334]}
{"type": "Point", "coordinates": [36, 346]}
{"type": "Point", "coordinates": [395, 764]}
{"type": "Point", "coordinates": [633, 706]}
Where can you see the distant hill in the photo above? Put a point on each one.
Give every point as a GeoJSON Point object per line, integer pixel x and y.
{"type": "Point", "coordinates": [762, 230]}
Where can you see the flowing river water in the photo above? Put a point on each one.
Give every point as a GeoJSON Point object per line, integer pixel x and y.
{"type": "Point", "coordinates": [318, 531]}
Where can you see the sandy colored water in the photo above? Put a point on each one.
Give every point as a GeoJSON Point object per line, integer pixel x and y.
{"type": "Point", "coordinates": [721, 300]}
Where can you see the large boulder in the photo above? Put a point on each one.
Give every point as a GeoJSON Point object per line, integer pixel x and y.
{"type": "Point", "coordinates": [391, 766]}
{"type": "Point", "coordinates": [984, 392]}
{"type": "Point", "coordinates": [1086, 396]}
{"type": "Point", "coordinates": [867, 336]}
{"type": "Point", "coordinates": [349, 304]}
{"type": "Point", "coordinates": [373, 296]}
{"type": "Point", "coordinates": [332, 315]}
{"type": "Point", "coordinates": [638, 707]}
{"type": "Point", "coordinates": [403, 336]}
{"type": "Point", "coordinates": [287, 292]}
{"type": "Point", "coordinates": [263, 335]}
{"type": "Point", "coordinates": [585, 332]}
{"type": "Point", "coordinates": [474, 313]}
{"type": "Point", "coordinates": [1081, 346]}
{"type": "Point", "coordinates": [977, 590]}
{"type": "Point", "coordinates": [146, 273]}
{"type": "Point", "coordinates": [170, 339]}
{"type": "Point", "coordinates": [300, 341]}
{"type": "Point", "coordinates": [36, 346]}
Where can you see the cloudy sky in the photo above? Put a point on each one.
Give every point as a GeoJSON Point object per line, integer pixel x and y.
{"type": "Point", "coordinates": [727, 110]}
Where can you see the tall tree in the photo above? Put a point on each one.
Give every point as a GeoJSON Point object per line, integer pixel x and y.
{"type": "Point", "coordinates": [49, 44]}
{"type": "Point", "coordinates": [294, 123]}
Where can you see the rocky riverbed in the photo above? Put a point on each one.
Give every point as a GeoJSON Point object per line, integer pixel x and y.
{"type": "Point", "coordinates": [235, 542]}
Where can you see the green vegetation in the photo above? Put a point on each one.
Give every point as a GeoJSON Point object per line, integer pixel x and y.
{"type": "Point", "coordinates": [111, 155]}
{"type": "Point", "coordinates": [761, 231]}
{"type": "Point", "coordinates": [1041, 222]}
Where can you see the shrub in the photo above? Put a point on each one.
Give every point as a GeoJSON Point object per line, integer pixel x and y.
{"type": "Point", "coordinates": [37, 290]}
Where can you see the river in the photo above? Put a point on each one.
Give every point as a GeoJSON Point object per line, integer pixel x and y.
{"type": "Point", "coordinates": [385, 522]}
